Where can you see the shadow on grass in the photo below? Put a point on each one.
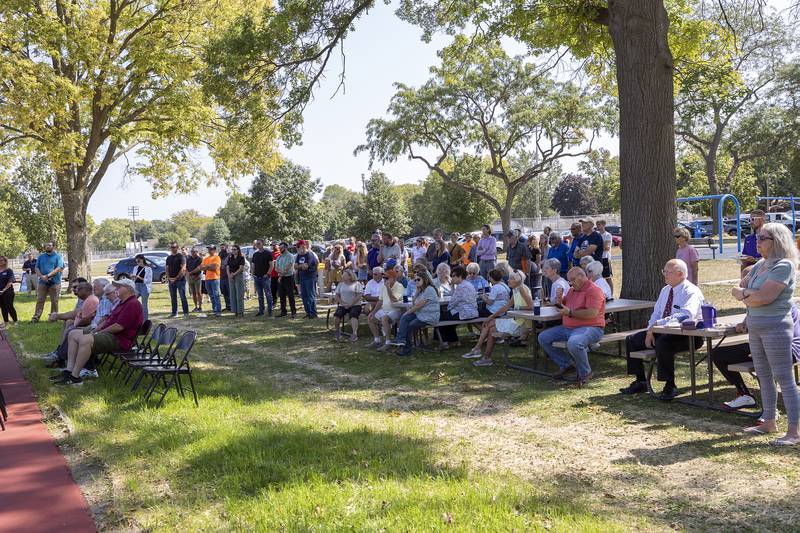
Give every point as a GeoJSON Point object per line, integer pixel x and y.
{"type": "Point", "coordinates": [277, 454]}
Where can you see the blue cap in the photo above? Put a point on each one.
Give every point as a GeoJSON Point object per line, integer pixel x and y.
{"type": "Point", "coordinates": [391, 263]}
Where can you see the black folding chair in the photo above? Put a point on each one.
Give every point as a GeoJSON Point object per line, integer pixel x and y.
{"type": "Point", "coordinates": [160, 355]}
{"type": "Point", "coordinates": [140, 344]}
{"type": "Point", "coordinates": [173, 369]}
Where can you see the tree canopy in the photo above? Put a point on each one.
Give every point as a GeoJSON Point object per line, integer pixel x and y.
{"type": "Point", "coordinates": [280, 203]}
{"type": "Point", "coordinates": [87, 84]}
{"type": "Point", "coordinates": [481, 101]}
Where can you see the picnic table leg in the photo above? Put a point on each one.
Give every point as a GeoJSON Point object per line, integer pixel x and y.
{"type": "Point", "coordinates": [532, 369]}
{"type": "Point", "coordinates": [693, 369]}
{"type": "Point", "coordinates": [710, 372]}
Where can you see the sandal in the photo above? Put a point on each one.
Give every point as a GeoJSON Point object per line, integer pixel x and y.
{"type": "Point", "coordinates": [785, 441]}
{"type": "Point", "coordinates": [757, 430]}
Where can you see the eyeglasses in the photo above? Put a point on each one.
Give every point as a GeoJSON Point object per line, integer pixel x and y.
{"type": "Point", "coordinates": [677, 236]}
{"type": "Point", "coordinates": [666, 272]}
{"type": "Point", "coordinates": [764, 238]}
{"type": "Point", "coordinates": [417, 279]}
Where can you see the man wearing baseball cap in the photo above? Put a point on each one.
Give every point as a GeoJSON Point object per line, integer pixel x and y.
{"type": "Point", "coordinates": [589, 243]}
{"type": "Point", "coordinates": [117, 334]}
{"type": "Point", "coordinates": [306, 264]}
{"type": "Point", "coordinates": [212, 266]}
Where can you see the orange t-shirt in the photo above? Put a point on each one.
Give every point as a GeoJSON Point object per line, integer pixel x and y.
{"type": "Point", "coordinates": [212, 260]}
{"type": "Point", "coordinates": [589, 297]}
{"type": "Point", "coordinates": [467, 246]}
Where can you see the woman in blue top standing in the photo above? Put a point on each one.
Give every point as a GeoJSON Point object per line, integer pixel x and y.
{"type": "Point", "coordinates": [424, 311]}
{"type": "Point", "coordinates": [767, 292]}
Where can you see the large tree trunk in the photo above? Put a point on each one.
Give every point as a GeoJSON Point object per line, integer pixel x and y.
{"type": "Point", "coordinates": [646, 142]}
{"type": "Point", "coordinates": [75, 204]}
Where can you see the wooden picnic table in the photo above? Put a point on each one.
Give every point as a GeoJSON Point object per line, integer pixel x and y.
{"type": "Point", "coordinates": [550, 314]}
{"type": "Point", "coordinates": [443, 300]}
{"type": "Point", "coordinates": [726, 326]}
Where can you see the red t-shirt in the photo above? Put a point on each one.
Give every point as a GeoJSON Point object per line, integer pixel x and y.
{"type": "Point", "coordinates": [130, 315]}
{"type": "Point", "coordinates": [590, 296]}
{"type": "Point", "coordinates": [275, 256]}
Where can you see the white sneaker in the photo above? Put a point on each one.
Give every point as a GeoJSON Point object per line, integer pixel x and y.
{"type": "Point", "coordinates": [50, 356]}
{"type": "Point", "coordinates": [85, 373]}
{"type": "Point", "coordinates": [472, 355]}
{"type": "Point", "coordinates": [595, 346]}
{"type": "Point", "coordinates": [740, 402]}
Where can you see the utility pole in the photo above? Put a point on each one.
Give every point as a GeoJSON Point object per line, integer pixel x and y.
{"type": "Point", "coordinates": [363, 184]}
{"type": "Point", "coordinates": [133, 212]}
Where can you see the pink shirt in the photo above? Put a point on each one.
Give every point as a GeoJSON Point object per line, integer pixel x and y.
{"type": "Point", "coordinates": [89, 308]}
{"type": "Point", "coordinates": [689, 255]}
{"type": "Point", "coordinates": [590, 296]}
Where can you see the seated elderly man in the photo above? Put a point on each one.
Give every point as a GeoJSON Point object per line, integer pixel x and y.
{"type": "Point", "coordinates": [384, 313]}
{"type": "Point", "coordinates": [583, 318]}
{"type": "Point", "coordinates": [679, 299]}
{"type": "Point", "coordinates": [117, 333]}
{"type": "Point", "coordinates": [372, 292]}
{"type": "Point", "coordinates": [80, 316]}
{"type": "Point", "coordinates": [102, 309]}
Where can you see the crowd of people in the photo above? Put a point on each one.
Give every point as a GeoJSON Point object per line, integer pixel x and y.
{"type": "Point", "coordinates": [440, 283]}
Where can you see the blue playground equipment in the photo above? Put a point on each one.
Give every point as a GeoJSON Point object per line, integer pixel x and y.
{"type": "Point", "coordinates": [720, 204]}
{"type": "Point", "coordinates": [782, 199]}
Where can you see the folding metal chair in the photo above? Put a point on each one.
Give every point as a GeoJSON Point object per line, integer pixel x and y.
{"type": "Point", "coordinates": [160, 355]}
{"type": "Point", "coordinates": [173, 369]}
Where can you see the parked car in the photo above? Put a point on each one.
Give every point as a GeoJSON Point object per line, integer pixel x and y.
{"type": "Point", "coordinates": [743, 222]}
{"type": "Point", "coordinates": [110, 269]}
{"type": "Point", "coordinates": [124, 268]}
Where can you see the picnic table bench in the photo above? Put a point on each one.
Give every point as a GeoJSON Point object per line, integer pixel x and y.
{"type": "Point", "coordinates": [551, 314]}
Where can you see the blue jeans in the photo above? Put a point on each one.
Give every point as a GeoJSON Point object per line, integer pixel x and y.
{"type": "Point", "coordinates": [406, 328]}
{"type": "Point", "coordinates": [178, 287]}
{"type": "Point", "coordinates": [212, 288]}
{"type": "Point", "coordinates": [308, 293]}
{"type": "Point", "coordinates": [225, 290]}
{"type": "Point", "coordinates": [264, 286]}
{"type": "Point", "coordinates": [578, 342]}
{"type": "Point", "coordinates": [144, 294]}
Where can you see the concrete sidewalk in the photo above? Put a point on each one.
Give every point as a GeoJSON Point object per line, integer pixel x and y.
{"type": "Point", "coordinates": [37, 492]}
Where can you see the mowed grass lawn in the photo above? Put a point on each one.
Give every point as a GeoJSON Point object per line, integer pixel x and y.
{"type": "Point", "coordinates": [297, 433]}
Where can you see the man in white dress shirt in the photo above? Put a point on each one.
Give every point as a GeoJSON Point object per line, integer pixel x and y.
{"type": "Point", "coordinates": [679, 300]}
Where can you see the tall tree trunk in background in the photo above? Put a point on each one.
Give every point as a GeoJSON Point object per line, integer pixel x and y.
{"type": "Point", "coordinates": [75, 203]}
{"type": "Point", "coordinates": [638, 29]}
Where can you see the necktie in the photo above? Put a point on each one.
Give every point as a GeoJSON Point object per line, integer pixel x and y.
{"type": "Point", "coordinates": [668, 307]}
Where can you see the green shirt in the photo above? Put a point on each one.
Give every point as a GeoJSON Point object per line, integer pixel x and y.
{"type": "Point", "coordinates": [782, 271]}
{"type": "Point", "coordinates": [285, 264]}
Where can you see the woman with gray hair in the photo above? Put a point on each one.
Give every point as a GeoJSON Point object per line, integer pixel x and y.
{"type": "Point", "coordinates": [551, 269]}
{"type": "Point", "coordinates": [594, 271]}
{"type": "Point", "coordinates": [443, 283]}
{"type": "Point", "coordinates": [767, 292]}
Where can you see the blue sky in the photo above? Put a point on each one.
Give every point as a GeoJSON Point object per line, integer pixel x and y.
{"type": "Point", "coordinates": [381, 51]}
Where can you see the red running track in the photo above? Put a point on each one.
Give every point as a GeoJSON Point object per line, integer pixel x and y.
{"type": "Point", "coordinates": [37, 492]}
